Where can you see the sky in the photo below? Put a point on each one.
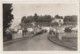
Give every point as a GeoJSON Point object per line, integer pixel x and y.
{"type": "Point", "coordinates": [20, 10]}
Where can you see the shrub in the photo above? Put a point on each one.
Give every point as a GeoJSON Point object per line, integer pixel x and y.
{"type": "Point", "coordinates": [8, 37]}
{"type": "Point", "coordinates": [67, 29]}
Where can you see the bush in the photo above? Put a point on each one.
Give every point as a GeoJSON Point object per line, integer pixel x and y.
{"type": "Point", "coordinates": [7, 37]}
{"type": "Point", "coordinates": [55, 24]}
{"type": "Point", "coordinates": [44, 31]}
{"type": "Point", "coordinates": [68, 29]}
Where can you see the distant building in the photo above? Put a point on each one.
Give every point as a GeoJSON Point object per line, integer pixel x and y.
{"type": "Point", "coordinates": [59, 20]}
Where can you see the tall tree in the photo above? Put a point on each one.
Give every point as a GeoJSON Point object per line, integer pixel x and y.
{"type": "Point", "coordinates": [70, 19]}
{"type": "Point", "coordinates": [7, 17]}
{"type": "Point", "coordinates": [59, 17]}
{"type": "Point", "coordinates": [46, 18]}
{"type": "Point", "coordinates": [35, 17]}
{"type": "Point", "coordinates": [23, 19]}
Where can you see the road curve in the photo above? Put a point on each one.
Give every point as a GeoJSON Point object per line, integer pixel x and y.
{"type": "Point", "coordinates": [37, 43]}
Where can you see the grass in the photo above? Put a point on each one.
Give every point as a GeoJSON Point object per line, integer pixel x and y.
{"type": "Point", "coordinates": [67, 40]}
{"type": "Point", "coordinates": [71, 40]}
{"type": "Point", "coordinates": [68, 34]}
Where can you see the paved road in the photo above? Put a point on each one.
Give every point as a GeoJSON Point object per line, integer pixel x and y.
{"type": "Point", "coordinates": [39, 42]}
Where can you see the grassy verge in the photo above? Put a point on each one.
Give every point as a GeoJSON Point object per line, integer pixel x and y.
{"type": "Point", "coordinates": [69, 42]}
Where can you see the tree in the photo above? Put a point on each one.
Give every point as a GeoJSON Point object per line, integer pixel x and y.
{"type": "Point", "coordinates": [35, 17]}
{"type": "Point", "coordinates": [59, 17]}
{"type": "Point", "coordinates": [29, 19]}
{"type": "Point", "coordinates": [55, 24]}
{"type": "Point", "coordinates": [70, 19]}
{"type": "Point", "coordinates": [46, 18]}
{"type": "Point", "coordinates": [23, 19]}
{"type": "Point", "coordinates": [67, 29]}
{"type": "Point", "coordinates": [7, 17]}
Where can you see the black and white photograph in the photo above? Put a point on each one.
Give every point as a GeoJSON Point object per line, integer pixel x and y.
{"type": "Point", "coordinates": [40, 27]}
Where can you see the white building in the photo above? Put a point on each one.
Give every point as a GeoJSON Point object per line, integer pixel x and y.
{"type": "Point", "coordinates": [58, 19]}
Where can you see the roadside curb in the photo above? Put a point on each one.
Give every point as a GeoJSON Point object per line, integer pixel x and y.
{"type": "Point", "coordinates": [15, 40]}
{"type": "Point", "coordinates": [19, 39]}
{"type": "Point", "coordinates": [65, 45]}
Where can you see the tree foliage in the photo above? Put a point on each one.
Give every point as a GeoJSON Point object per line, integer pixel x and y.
{"type": "Point", "coordinates": [48, 18]}
{"type": "Point", "coordinates": [70, 18]}
{"type": "Point", "coordinates": [59, 17]}
{"type": "Point", "coordinates": [23, 19]}
{"type": "Point", "coordinates": [67, 29]}
{"type": "Point", "coordinates": [7, 16]}
{"type": "Point", "coordinates": [37, 18]}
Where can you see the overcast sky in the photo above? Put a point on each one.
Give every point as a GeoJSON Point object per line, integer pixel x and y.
{"type": "Point", "coordinates": [20, 10]}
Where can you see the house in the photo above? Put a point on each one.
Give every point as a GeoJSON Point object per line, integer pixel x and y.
{"type": "Point", "coordinates": [58, 19]}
